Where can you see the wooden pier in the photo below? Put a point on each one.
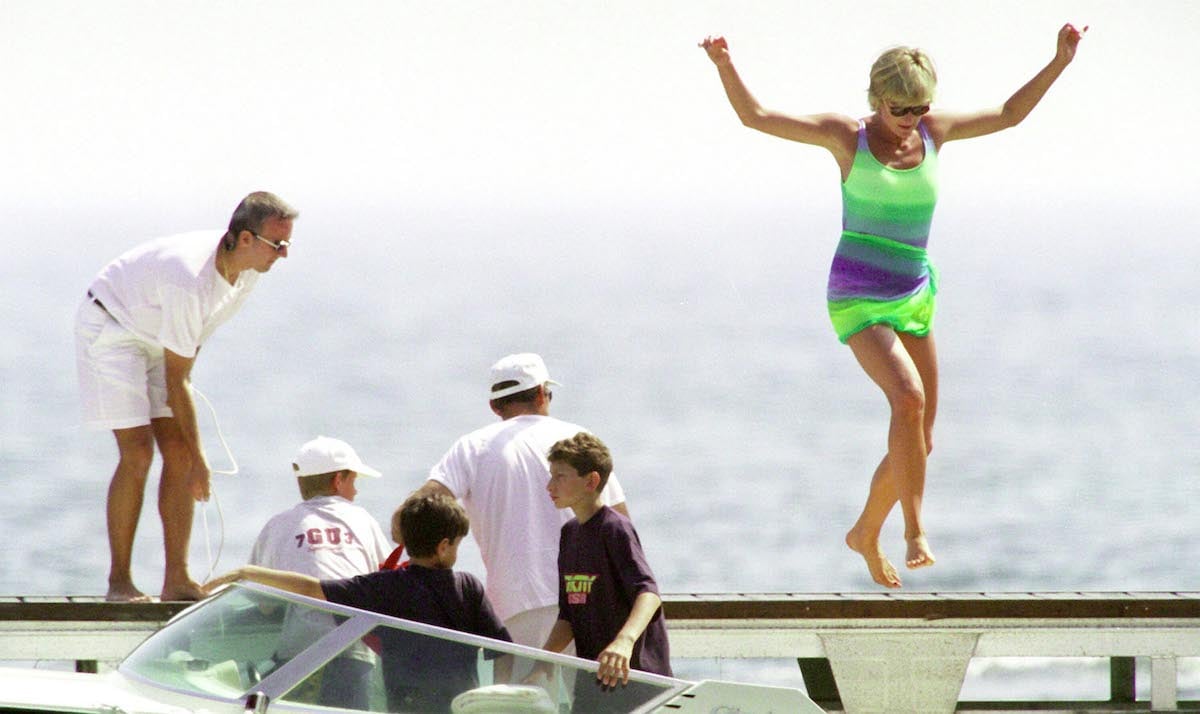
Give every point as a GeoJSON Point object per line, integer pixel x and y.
{"type": "Point", "coordinates": [859, 653]}
{"type": "Point", "coordinates": [83, 629]}
{"type": "Point", "coordinates": [908, 652]}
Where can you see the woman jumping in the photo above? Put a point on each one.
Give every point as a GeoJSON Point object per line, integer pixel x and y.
{"type": "Point", "coordinates": [881, 284]}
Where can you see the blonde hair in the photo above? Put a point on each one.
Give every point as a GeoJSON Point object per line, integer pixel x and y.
{"type": "Point", "coordinates": [902, 76]}
{"type": "Point", "coordinates": [316, 485]}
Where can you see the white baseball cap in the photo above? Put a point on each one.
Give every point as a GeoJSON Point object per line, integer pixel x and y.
{"type": "Point", "coordinates": [526, 369]}
{"type": "Point", "coordinates": [324, 455]}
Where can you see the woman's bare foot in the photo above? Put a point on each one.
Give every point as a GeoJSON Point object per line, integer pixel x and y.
{"type": "Point", "coordinates": [881, 569]}
{"type": "Point", "coordinates": [125, 592]}
{"type": "Point", "coordinates": [919, 554]}
{"type": "Point", "coordinates": [184, 591]}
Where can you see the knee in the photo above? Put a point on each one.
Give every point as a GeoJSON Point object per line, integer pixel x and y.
{"type": "Point", "coordinates": [177, 458]}
{"type": "Point", "coordinates": [909, 403]}
{"type": "Point", "coordinates": [136, 455]}
{"type": "Point", "coordinates": [176, 454]}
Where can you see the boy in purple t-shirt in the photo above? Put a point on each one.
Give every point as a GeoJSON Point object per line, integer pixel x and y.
{"type": "Point", "coordinates": [607, 598]}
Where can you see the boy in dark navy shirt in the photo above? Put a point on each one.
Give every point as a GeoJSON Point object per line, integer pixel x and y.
{"type": "Point", "coordinates": [608, 599]}
{"type": "Point", "coordinates": [419, 673]}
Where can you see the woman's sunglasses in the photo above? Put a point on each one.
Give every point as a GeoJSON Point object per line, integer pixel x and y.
{"type": "Point", "coordinates": [916, 111]}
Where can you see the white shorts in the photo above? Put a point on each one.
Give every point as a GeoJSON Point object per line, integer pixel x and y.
{"type": "Point", "coordinates": [531, 628]}
{"type": "Point", "coordinates": [122, 378]}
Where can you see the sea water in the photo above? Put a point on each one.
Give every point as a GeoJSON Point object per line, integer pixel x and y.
{"type": "Point", "coordinates": [1065, 454]}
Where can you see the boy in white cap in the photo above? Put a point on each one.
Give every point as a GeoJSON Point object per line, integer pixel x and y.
{"type": "Point", "coordinates": [500, 473]}
{"type": "Point", "coordinates": [328, 537]}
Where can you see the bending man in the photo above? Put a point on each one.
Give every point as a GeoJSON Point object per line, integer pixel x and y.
{"type": "Point", "coordinates": [137, 335]}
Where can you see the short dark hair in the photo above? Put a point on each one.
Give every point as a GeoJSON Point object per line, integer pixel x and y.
{"type": "Point", "coordinates": [253, 211]}
{"type": "Point", "coordinates": [585, 453]}
{"type": "Point", "coordinates": [528, 396]}
{"type": "Point", "coordinates": [397, 533]}
{"type": "Point", "coordinates": [426, 520]}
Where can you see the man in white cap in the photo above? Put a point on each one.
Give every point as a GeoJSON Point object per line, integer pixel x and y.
{"type": "Point", "coordinates": [327, 537]}
{"type": "Point", "coordinates": [500, 473]}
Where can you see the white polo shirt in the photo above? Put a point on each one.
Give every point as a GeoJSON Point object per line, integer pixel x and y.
{"type": "Point", "coordinates": [326, 537]}
{"type": "Point", "coordinates": [168, 291]}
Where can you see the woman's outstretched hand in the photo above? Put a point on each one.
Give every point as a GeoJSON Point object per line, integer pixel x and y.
{"type": "Point", "coordinates": [1068, 40]}
{"type": "Point", "coordinates": [717, 49]}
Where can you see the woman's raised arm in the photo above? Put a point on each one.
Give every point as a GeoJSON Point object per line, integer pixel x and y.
{"type": "Point", "coordinates": [832, 131]}
{"type": "Point", "coordinates": [954, 126]}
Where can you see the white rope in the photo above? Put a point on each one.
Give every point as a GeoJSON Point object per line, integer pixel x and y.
{"type": "Point", "coordinates": [220, 434]}
{"type": "Point", "coordinates": [212, 562]}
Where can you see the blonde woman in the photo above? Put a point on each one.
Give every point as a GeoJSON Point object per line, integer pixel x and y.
{"type": "Point", "coordinates": [881, 284]}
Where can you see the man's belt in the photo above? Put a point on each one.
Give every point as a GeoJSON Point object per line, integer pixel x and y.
{"type": "Point", "coordinates": [99, 304]}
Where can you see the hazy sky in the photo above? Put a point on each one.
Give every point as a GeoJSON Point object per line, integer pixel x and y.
{"type": "Point", "coordinates": [111, 106]}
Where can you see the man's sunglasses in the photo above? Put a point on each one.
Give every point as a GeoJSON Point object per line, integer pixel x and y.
{"type": "Point", "coordinates": [279, 246]}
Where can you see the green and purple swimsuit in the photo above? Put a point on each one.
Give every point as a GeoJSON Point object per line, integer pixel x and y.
{"type": "Point", "coordinates": [880, 273]}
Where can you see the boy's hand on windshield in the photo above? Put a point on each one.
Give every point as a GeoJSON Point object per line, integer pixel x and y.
{"type": "Point", "coordinates": [614, 662]}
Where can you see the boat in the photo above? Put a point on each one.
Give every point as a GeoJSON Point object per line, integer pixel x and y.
{"type": "Point", "coordinates": [238, 651]}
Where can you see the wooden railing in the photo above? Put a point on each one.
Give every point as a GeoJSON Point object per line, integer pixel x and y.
{"type": "Point", "coordinates": [83, 629]}
{"type": "Point", "coordinates": [908, 652]}
{"type": "Point", "coordinates": [858, 652]}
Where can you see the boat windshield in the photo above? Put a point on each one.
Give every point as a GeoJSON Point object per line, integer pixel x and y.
{"type": "Point", "coordinates": [224, 646]}
{"type": "Point", "coordinates": [422, 672]}
{"type": "Point", "coordinates": [320, 656]}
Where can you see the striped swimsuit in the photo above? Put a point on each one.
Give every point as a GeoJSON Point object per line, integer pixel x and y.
{"type": "Point", "coordinates": [880, 273]}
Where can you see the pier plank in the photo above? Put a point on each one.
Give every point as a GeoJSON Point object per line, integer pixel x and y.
{"type": "Point", "coordinates": [76, 608]}
{"type": "Point", "coordinates": [932, 606]}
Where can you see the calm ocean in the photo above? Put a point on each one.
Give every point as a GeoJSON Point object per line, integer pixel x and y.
{"type": "Point", "coordinates": [1065, 457]}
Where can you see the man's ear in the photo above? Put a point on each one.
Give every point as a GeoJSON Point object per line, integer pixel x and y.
{"type": "Point", "coordinates": [593, 480]}
{"type": "Point", "coordinates": [442, 547]}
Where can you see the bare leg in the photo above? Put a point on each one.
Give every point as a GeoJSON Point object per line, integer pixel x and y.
{"type": "Point", "coordinates": [863, 538]}
{"type": "Point", "coordinates": [176, 506]}
{"type": "Point", "coordinates": [923, 351]}
{"type": "Point", "coordinates": [901, 474]}
{"type": "Point", "coordinates": [924, 355]}
{"type": "Point", "coordinates": [124, 508]}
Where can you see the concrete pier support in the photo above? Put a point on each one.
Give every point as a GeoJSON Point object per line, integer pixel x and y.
{"type": "Point", "coordinates": [1163, 684]}
{"type": "Point", "coordinates": [905, 673]}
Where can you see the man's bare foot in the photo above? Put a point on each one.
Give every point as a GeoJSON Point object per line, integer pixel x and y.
{"type": "Point", "coordinates": [125, 592]}
{"type": "Point", "coordinates": [919, 554]}
{"type": "Point", "coordinates": [189, 591]}
{"type": "Point", "coordinates": [881, 569]}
